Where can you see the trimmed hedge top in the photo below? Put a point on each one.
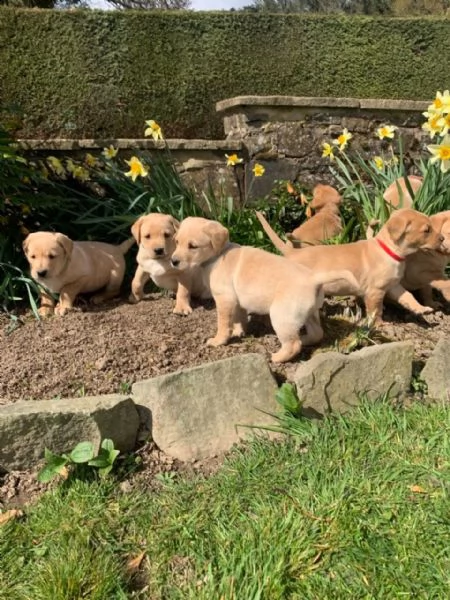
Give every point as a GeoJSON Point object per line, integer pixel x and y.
{"type": "Point", "coordinates": [97, 74]}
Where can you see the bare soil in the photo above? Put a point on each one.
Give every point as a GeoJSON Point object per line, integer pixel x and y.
{"type": "Point", "coordinates": [98, 350]}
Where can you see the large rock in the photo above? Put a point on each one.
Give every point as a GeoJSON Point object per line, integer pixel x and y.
{"type": "Point", "coordinates": [203, 411]}
{"type": "Point", "coordinates": [436, 372]}
{"type": "Point", "coordinates": [333, 382]}
{"type": "Point", "coordinates": [27, 428]}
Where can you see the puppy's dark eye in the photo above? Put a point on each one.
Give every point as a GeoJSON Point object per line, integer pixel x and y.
{"type": "Point", "coordinates": [192, 246]}
{"type": "Point", "coordinates": [33, 256]}
{"type": "Point", "coordinates": [166, 235]}
{"type": "Point", "coordinates": [51, 256]}
{"type": "Point", "coordinates": [147, 236]}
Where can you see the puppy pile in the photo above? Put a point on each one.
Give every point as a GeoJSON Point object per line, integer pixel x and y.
{"type": "Point", "coordinates": [195, 258]}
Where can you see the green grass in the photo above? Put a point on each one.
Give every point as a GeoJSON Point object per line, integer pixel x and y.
{"type": "Point", "coordinates": [328, 512]}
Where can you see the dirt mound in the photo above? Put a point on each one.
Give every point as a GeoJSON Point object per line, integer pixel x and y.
{"type": "Point", "coordinates": [98, 350]}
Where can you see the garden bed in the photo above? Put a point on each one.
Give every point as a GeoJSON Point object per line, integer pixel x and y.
{"type": "Point", "coordinates": [100, 350]}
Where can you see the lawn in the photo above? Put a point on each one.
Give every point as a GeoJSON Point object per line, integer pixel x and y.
{"type": "Point", "coordinates": [350, 507]}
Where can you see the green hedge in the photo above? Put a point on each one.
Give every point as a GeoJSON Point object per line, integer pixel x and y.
{"type": "Point", "coordinates": [101, 74]}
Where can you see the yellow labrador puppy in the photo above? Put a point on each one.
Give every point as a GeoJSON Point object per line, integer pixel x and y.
{"type": "Point", "coordinates": [425, 270]}
{"type": "Point", "coordinates": [70, 268]}
{"type": "Point", "coordinates": [377, 264]}
{"type": "Point", "coordinates": [154, 234]}
{"type": "Point", "coordinates": [247, 280]}
{"type": "Point", "coordinates": [326, 221]}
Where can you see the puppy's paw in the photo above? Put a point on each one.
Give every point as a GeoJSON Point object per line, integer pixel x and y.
{"type": "Point", "coordinates": [134, 299]}
{"type": "Point", "coordinates": [60, 311]}
{"type": "Point", "coordinates": [425, 310]}
{"type": "Point", "coordinates": [238, 330]}
{"type": "Point", "coordinates": [216, 341]}
{"type": "Point", "coordinates": [182, 309]}
{"type": "Point", "coordinates": [46, 311]}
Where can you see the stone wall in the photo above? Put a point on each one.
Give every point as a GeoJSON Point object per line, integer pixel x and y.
{"type": "Point", "coordinates": [283, 133]}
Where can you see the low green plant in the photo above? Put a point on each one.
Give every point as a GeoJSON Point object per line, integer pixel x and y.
{"type": "Point", "coordinates": [83, 455]}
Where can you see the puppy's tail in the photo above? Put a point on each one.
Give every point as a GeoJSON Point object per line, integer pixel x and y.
{"type": "Point", "coordinates": [126, 245]}
{"type": "Point", "coordinates": [323, 277]}
{"type": "Point", "coordinates": [275, 239]}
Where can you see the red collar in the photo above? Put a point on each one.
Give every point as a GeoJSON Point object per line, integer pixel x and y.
{"type": "Point", "coordinates": [390, 252]}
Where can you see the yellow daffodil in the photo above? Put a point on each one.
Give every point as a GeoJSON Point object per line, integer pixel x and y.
{"type": "Point", "coordinates": [445, 124]}
{"type": "Point", "coordinates": [233, 160]}
{"type": "Point", "coordinates": [379, 162]}
{"type": "Point", "coordinates": [441, 152]}
{"type": "Point", "coordinates": [153, 129]}
{"type": "Point", "coordinates": [343, 139]}
{"type": "Point", "coordinates": [44, 171]}
{"type": "Point", "coordinates": [434, 123]}
{"type": "Point", "coordinates": [70, 166]}
{"type": "Point", "coordinates": [110, 152]}
{"type": "Point", "coordinates": [80, 173]}
{"type": "Point", "coordinates": [327, 151]}
{"type": "Point", "coordinates": [56, 166]}
{"type": "Point", "coordinates": [90, 160]}
{"type": "Point", "coordinates": [258, 170]}
{"type": "Point", "coordinates": [386, 131]}
{"type": "Point", "coordinates": [137, 169]}
{"type": "Point", "coordinates": [441, 104]}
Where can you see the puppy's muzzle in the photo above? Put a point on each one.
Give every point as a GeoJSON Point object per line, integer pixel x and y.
{"type": "Point", "coordinates": [159, 252]}
{"type": "Point", "coordinates": [42, 273]}
{"type": "Point", "coordinates": [175, 261]}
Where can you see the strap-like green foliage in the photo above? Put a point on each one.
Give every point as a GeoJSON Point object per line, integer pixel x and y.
{"type": "Point", "coordinates": [101, 74]}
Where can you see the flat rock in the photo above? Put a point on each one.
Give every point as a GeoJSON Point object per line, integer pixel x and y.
{"type": "Point", "coordinates": [334, 382]}
{"type": "Point", "coordinates": [27, 428]}
{"type": "Point", "coordinates": [436, 372]}
{"type": "Point", "coordinates": [202, 411]}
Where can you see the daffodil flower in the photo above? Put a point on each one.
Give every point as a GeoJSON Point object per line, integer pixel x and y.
{"type": "Point", "coordinates": [56, 166]}
{"type": "Point", "coordinates": [445, 124]}
{"type": "Point", "coordinates": [327, 151]}
{"type": "Point", "coordinates": [258, 170]}
{"type": "Point", "coordinates": [153, 129]}
{"type": "Point", "coordinates": [110, 152]}
{"type": "Point", "coordinates": [441, 103]}
{"type": "Point", "coordinates": [379, 162]}
{"type": "Point", "coordinates": [90, 160]}
{"type": "Point", "coordinates": [80, 173]}
{"type": "Point", "coordinates": [70, 166]}
{"type": "Point", "coordinates": [137, 169]}
{"type": "Point", "coordinates": [434, 124]}
{"type": "Point", "coordinates": [386, 131]}
{"type": "Point", "coordinates": [233, 160]}
{"type": "Point", "coordinates": [343, 139]}
{"type": "Point", "coordinates": [441, 152]}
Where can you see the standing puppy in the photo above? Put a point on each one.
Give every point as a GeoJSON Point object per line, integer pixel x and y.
{"type": "Point", "coordinates": [325, 223]}
{"type": "Point", "coordinates": [377, 264]}
{"type": "Point", "coordinates": [70, 268]}
{"type": "Point", "coordinates": [247, 280]}
{"type": "Point", "coordinates": [154, 234]}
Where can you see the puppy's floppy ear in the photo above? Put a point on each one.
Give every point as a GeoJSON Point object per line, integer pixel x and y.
{"type": "Point", "coordinates": [397, 226]}
{"type": "Point", "coordinates": [175, 224]}
{"type": "Point", "coordinates": [136, 229]}
{"type": "Point", "coordinates": [65, 243]}
{"type": "Point", "coordinates": [438, 220]}
{"type": "Point", "coordinates": [218, 234]}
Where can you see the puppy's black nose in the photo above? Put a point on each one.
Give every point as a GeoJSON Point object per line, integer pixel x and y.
{"type": "Point", "coordinates": [159, 251]}
{"type": "Point", "coordinates": [42, 273]}
{"type": "Point", "coordinates": [175, 261]}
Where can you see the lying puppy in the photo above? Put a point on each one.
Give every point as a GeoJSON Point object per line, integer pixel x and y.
{"type": "Point", "coordinates": [70, 268]}
{"type": "Point", "coordinates": [377, 264]}
{"type": "Point", "coordinates": [425, 270]}
{"type": "Point", "coordinates": [249, 280]}
{"type": "Point", "coordinates": [326, 222]}
{"type": "Point", "coordinates": [397, 194]}
{"type": "Point", "coordinates": [154, 234]}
